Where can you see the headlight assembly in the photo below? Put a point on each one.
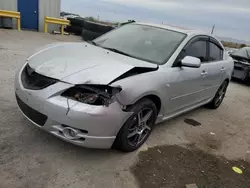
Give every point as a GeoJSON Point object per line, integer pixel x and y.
{"type": "Point", "coordinates": [92, 94]}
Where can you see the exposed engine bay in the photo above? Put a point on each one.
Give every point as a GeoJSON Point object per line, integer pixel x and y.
{"type": "Point", "coordinates": [92, 94]}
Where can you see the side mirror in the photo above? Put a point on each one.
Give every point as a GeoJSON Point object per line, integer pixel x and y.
{"type": "Point", "coordinates": [190, 61]}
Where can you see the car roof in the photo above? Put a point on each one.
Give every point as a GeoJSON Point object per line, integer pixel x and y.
{"type": "Point", "coordinates": [175, 28]}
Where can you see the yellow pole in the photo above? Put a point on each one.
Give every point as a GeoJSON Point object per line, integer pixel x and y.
{"type": "Point", "coordinates": [45, 26]}
{"type": "Point", "coordinates": [18, 24]}
{"type": "Point", "coordinates": [62, 30]}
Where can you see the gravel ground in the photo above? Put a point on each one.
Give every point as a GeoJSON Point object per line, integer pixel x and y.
{"type": "Point", "coordinates": [30, 157]}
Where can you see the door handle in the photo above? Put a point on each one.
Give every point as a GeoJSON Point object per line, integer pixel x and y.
{"type": "Point", "coordinates": [203, 73]}
{"type": "Point", "coordinates": [222, 69]}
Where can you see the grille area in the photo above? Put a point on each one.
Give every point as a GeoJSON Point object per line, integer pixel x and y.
{"type": "Point", "coordinates": [32, 114]}
{"type": "Point", "coordinates": [34, 81]}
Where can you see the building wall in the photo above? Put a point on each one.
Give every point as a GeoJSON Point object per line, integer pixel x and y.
{"type": "Point", "coordinates": [50, 8]}
{"type": "Point", "coordinates": [8, 5]}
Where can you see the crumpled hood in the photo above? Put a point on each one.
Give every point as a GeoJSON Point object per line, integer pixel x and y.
{"type": "Point", "coordinates": [81, 63]}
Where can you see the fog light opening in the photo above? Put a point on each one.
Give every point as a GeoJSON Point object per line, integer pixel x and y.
{"type": "Point", "coordinates": [70, 133]}
{"type": "Point", "coordinates": [82, 131]}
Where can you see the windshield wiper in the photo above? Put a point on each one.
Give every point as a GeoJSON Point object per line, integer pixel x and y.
{"type": "Point", "coordinates": [117, 51]}
{"type": "Point", "coordinates": [111, 49]}
{"type": "Point", "coordinates": [92, 42]}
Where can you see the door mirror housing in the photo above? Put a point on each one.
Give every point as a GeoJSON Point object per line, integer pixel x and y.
{"type": "Point", "coordinates": [190, 61]}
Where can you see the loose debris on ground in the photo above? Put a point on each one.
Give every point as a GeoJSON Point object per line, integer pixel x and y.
{"type": "Point", "coordinates": [176, 167]}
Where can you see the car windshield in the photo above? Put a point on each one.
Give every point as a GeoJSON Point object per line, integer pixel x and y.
{"type": "Point", "coordinates": [152, 44]}
{"type": "Point", "coordinates": [243, 52]}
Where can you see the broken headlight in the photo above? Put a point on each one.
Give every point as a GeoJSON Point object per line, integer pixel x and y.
{"type": "Point", "coordinates": [92, 94]}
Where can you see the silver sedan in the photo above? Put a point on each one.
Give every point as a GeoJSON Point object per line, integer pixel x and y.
{"type": "Point", "coordinates": [110, 92]}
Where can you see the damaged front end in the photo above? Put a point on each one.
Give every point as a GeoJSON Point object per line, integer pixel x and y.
{"type": "Point", "coordinates": [241, 68]}
{"type": "Point", "coordinates": [99, 95]}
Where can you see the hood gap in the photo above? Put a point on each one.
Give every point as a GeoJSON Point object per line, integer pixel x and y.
{"type": "Point", "coordinates": [134, 71]}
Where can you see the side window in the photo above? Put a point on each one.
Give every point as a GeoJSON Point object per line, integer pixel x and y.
{"type": "Point", "coordinates": [196, 49]}
{"type": "Point", "coordinates": [216, 54]}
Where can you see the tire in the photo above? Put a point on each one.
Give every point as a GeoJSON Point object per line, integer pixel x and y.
{"type": "Point", "coordinates": [128, 138]}
{"type": "Point", "coordinates": [219, 96]}
{"type": "Point", "coordinates": [77, 30]}
{"type": "Point", "coordinates": [98, 28]}
{"type": "Point", "coordinates": [89, 35]}
{"type": "Point", "coordinates": [78, 21]}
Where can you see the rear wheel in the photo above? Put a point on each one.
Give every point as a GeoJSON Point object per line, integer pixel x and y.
{"type": "Point", "coordinates": [138, 127]}
{"type": "Point", "coordinates": [219, 96]}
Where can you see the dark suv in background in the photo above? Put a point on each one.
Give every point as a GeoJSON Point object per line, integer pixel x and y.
{"type": "Point", "coordinates": [241, 59]}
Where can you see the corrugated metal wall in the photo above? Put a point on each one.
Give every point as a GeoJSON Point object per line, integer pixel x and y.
{"type": "Point", "coordinates": [48, 8]}
{"type": "Point", "coordinates": [8, 4]}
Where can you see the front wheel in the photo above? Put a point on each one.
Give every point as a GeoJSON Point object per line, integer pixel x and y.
{"type": "Point", "coordinates": [219, 96]}
{"type": "Point", "coordinates": [138, 127]}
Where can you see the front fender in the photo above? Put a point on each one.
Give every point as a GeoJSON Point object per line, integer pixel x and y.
{"type": "Point", "coordinates": [125, 99]}
{"type": "Point", "coordinates": [137, 87]}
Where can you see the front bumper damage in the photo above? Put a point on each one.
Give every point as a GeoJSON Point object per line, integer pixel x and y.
{"type": "Point", "coordinates": [241, 70]}
{"type": "Point", "coordinates": [91, 126]}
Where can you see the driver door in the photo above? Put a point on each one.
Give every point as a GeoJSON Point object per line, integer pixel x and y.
{"type": "Point", "coordinates": [188, 84]}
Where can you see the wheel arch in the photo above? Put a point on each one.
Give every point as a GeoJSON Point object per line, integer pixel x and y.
{"type": "Point", "coordinates": [153, 97]}
{"type": "Point", "coordinates": [227, 80]}
{"type": "Point", "coordinates": [155, 100]}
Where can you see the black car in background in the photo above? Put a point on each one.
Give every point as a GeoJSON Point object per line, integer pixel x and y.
{"type": "Point", "coordinates": [241, 59]}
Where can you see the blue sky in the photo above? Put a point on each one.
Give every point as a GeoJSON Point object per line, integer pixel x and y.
{"type": "Point", "coordinates": [231, 17]}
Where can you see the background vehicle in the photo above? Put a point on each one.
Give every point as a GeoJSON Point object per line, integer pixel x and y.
{"type": "Point", "coordinates": [230, 50]}
{"type": "Point", "coordinates": [242, 64]}
{"type": "Point", "coordinates": [112, 91]}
